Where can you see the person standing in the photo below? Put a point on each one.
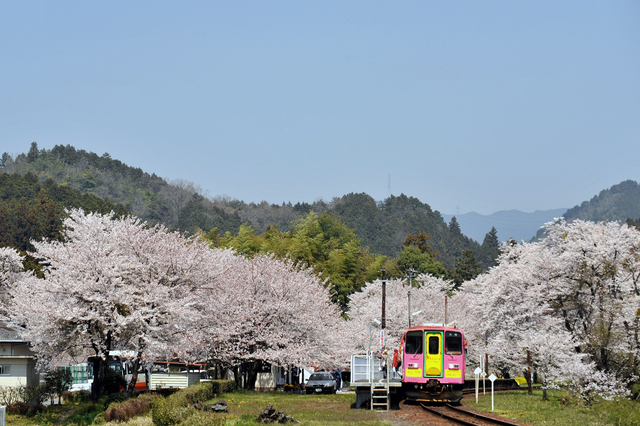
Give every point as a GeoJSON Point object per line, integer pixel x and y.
{"type": "Point", "coordinates": [384, 362]}
{"type": "Point", "coordinates": [396, 363]}
{"type": "Point", "coordinates": [338, 379]}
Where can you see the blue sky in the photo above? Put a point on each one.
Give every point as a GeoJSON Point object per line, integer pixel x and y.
{"type": "Point", "coordinates": [468, 106]}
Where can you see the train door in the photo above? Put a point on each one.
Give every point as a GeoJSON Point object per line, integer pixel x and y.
{"type": "Point", "coordinates": [413, 357]}
{"type": "Point", "coordinates": [433, 355]}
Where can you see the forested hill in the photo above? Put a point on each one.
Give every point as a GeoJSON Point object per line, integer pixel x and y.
{"type": "Point", "coordinates": [618, 203]}
{"type": "Point", "coordinates": [180, 205]}
{"type": "Point", "coordinates": [30, 209]}
{"type": "Point", "coordinates": [384, 226]}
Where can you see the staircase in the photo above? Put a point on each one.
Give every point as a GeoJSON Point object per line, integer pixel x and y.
{"type": "Point", "coordinates": [379, 389]}
{"type": "Point", "coordinates": [380, 395]}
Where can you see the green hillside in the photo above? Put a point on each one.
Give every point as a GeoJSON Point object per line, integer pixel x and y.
{"type": "Point", "coordinates": [153, 199]}
{"type": "Point", "coordinates": [32, 210]}
{"type": "Point", "coordinates": [618, 203]}
{"type": "Point", "coordinates": [382, 226]}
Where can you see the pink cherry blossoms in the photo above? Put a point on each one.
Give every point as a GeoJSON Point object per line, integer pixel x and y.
{"type": "Point", "coordinates": [120, 284]}
{"type": "Point", "coordinates": [570, 300]}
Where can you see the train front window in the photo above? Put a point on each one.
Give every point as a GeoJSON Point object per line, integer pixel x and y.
{"type": "Point", "coordinates": [453, 343]}
{"type": "Point", "coordinates": [434, 345]}
{"type": "Point", "coordinates": [413, 344]}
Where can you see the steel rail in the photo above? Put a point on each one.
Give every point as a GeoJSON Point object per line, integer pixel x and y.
{"type": "Point", "coordinates": [481, 416]}
{"type": "Point", "coordinates": [446, 416]}
{"type": "Point", "coordinates": [466, 413]}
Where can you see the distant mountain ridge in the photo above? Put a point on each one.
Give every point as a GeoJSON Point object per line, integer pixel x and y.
{"type": "Point", "coordinates": [509, 223]}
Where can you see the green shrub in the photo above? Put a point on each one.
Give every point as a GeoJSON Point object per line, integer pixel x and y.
{"type": "Point", "coordinates": [85, 415]}
{"type": "Point", "coordinates": [223, 386]}
{"type": "Point", "coordinates": [76, 397]}
{"type": "Point", "coordinates": [23, 400]}
{"type": "Point", "coordinates": [195, 393]}
{"type": "Point", "coordinates": [176, 409]}
{"type": "Point", "coordinates": [168, 412]}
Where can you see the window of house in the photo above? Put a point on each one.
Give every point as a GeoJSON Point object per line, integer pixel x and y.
{"type": "Point", "coordinates": [453, 343]}
{"type": "Point", "coordinates": [5, 370]}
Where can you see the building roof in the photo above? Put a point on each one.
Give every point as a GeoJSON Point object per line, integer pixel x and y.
{"type": "Point", "coordinates": [9, 333]}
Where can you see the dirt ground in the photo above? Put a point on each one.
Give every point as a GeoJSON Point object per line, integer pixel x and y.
{"type": "Point", "coordinates": [413, 415]}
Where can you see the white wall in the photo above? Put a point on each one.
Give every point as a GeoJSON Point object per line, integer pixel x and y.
{"type": "Point", "coordinates": [23, 371]}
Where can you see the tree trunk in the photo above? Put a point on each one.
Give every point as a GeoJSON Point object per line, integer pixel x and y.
{"type": "Point", "coordinates": [237, 376]}
{"type": "Point", "coordinates": [96, 386]}
{"type": "Point", "coordinates": [529, 375]}
{"type": "Point", "coordinates": [252, 374]}
{"type": "Point", "coordinates": [134, 374]}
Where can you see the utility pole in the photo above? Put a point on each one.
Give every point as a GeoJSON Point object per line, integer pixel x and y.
{"type": "Point", "coordinates": [409, 297]}
{"type": "Point", "coordinates": [445, 308]}
{"type": "Point", "coordinates": [410, 275]}
{"type": "Point", "coordinates": [384, 298]}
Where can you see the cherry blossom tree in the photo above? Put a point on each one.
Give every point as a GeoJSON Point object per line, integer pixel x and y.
{"type": "Point", "coordinates": [113, 283]}
{"type": "Point", "coordinates": [570, 301]}
{"type": "Point", "coordinates": [267, 310]}
{"type": "Point", "coordinates": [11, 271]}
{"type": "Point", "coordinates": [428, 299]}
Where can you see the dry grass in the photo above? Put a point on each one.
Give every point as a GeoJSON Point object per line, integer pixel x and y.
{"type": "Point", "coordinates": [136, 421]}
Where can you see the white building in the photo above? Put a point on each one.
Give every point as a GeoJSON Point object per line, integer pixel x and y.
{"type": "Point", "coordinates": [17, 361]}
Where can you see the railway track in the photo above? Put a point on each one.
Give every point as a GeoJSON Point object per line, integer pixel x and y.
{"type": "Point", "coordinates": [464, 417]}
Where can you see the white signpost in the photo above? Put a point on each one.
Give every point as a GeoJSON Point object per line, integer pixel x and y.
{"type": "Point", "coordinates": [477, 373]}
{"type": "Point", "coordinates": [483, 374]}
{"type": "Point", "coordinates": [492, 377]}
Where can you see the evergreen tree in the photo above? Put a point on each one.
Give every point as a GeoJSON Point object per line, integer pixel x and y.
{"type": "Point", "coordinates": [454, 226]}
{"type": "Point", "coordinates": [490, 249]}
{"type": "Point", "coordinates": [33, 153]}
{"type": "Point", "coordinates": [420, 242]}
{"type": "Point", "coordinates": [466, 268]}
{"type": "Point", "coordinates": [424, 263]}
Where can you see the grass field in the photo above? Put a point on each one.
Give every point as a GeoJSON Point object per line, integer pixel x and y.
{"type": "Point", "coordinates": [332, 410]}
{"type": "Point", "coordinates": [559, 409]}
{"type": "Point", "coordinates": [314, 410]}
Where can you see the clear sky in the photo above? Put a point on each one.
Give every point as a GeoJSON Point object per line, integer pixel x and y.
{"type": "Point", "coordinates": [467, 105]}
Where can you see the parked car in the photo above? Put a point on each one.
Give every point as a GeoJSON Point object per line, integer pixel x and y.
{"type": "Point", "coordinates": [321, 382]}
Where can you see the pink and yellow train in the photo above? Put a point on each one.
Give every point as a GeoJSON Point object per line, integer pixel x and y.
{"type": "Point", "coordinates": [433, 363]}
